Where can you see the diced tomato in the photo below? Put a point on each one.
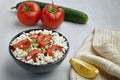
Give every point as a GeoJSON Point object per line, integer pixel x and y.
{"type": "Point", "coordinates": [33, 36]}
{"type": "Point", "coordinates": [52, 49]}
{"type": "Point", "coordinates": [44, 40]}
{"type": "Point", "coordinates": [24, 44]}
{"type": "Point", "coordinates": [51, 54]}
{"type": "Point", "coordinates": [32, 55]}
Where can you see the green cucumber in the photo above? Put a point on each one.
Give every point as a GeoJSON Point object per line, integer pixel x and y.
{"type": "Point", "coordinates": [71, 15]}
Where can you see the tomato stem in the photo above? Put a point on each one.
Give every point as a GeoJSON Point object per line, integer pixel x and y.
{"type": "Point", "coordinates": [52, 4]}
{"type": "Point", "coordinates": [27, 8]}
{"type": "Point", "coordinates": [53, 9]}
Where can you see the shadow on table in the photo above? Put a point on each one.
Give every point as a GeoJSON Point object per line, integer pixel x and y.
{"type": "Point", "coordinates": [14, 72]}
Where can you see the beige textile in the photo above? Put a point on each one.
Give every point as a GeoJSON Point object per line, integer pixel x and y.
{"type": "Point", "coordinates": [101, 49]}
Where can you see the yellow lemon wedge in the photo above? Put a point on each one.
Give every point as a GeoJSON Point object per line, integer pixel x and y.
{"type": "Point", "coordinates": [84, 69]}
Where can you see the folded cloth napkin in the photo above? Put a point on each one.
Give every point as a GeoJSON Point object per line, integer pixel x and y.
{"type": "Point", "coordinates": [101, 49]}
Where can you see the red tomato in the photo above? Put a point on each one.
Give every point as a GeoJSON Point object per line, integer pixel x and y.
{"type": "Point", "coordinates": [32, 55]}
{"type": "Point", "coordinates": [33, 36]}
{"type": "Point", "coordinates": [24, 44]}
{"type": "Point", "coordinates": [52, 49]}
{"type": "Point", "coordinates": [52, 16]}
{"type": "Point", "coordinates": [44, 40]}
{"type": "Point", "coordinates": [29, 13]}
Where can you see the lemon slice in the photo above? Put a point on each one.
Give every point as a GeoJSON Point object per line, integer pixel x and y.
{"type": "Point", "coordinates": [84, 69]}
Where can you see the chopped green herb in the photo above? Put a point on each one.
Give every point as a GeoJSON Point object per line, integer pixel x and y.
{"type": "Point", "coordinates": [35, 44]}
{"type": "Point", "coordinates": [43, 49]}
{"type": "Point", "coordinates": [46, 47]}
